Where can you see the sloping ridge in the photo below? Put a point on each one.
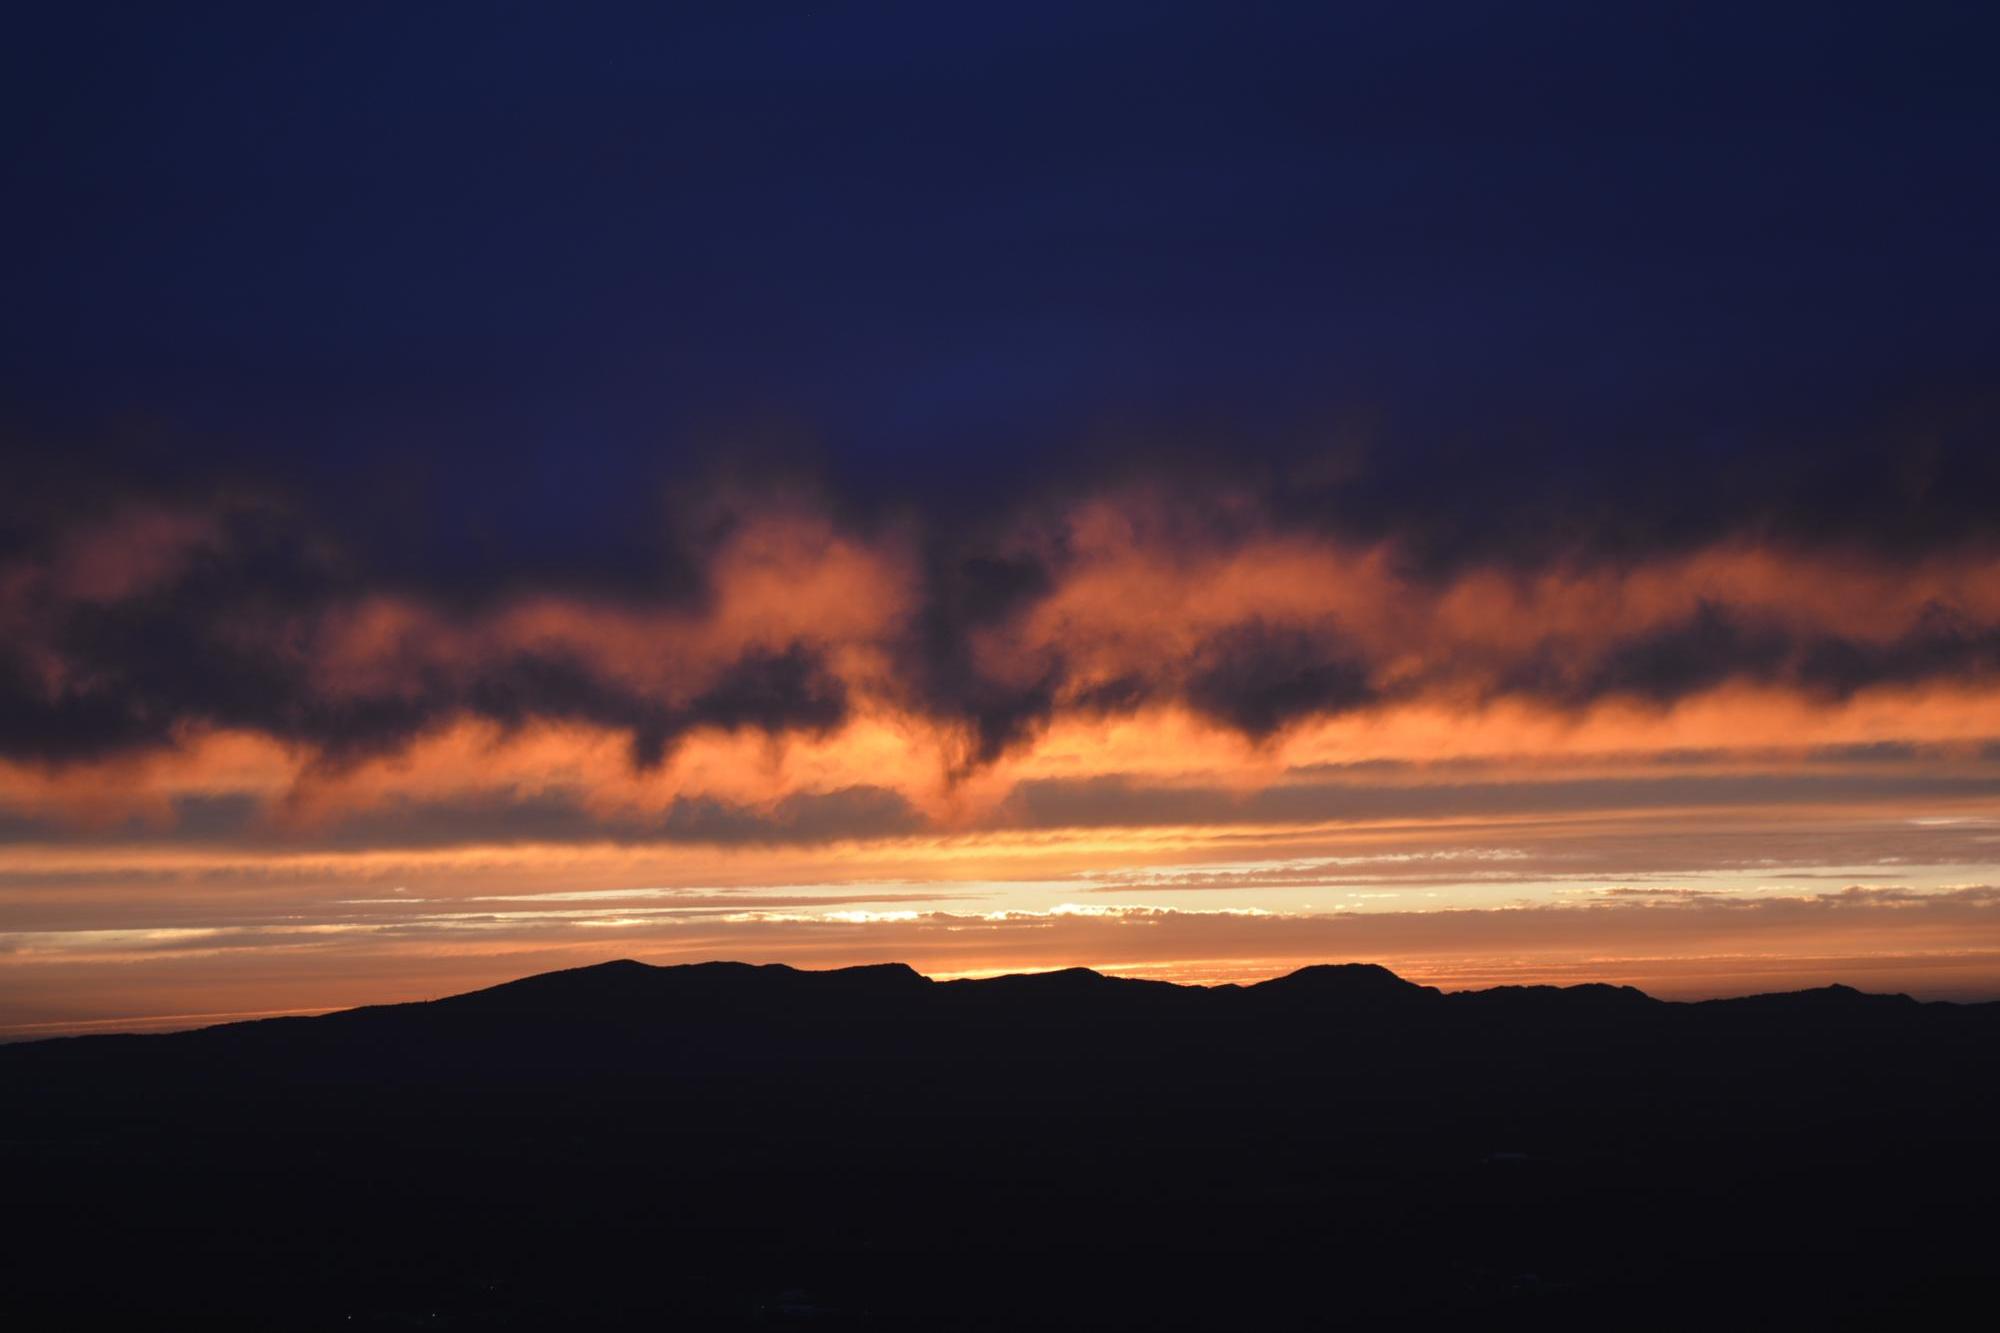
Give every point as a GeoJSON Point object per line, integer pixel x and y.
{"type": "Point", "coordinates": [628, 985]}
{"type": "Point", "coordinates": [1589, 998]}
{"type": "Point", "coordinates": [1829, 1000]}
{"type": "Point", "coordinates": [636, 995]}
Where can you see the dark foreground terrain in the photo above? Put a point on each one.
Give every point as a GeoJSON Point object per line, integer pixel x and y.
{"type": "Point", "coordinates": [730, 1146]}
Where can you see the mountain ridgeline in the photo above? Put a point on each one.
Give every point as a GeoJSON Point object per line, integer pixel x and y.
{"type": "Point", "coordinates": [732, 1145]}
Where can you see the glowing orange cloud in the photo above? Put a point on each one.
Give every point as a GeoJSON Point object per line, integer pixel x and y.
{"type": "Point", "coordinates": [1144, 651]}
{"type": "Point", "coordinates": [885, 746]}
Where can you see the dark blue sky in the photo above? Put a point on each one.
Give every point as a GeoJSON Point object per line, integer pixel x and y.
{"type": "Point", "coordinates": [487, 274]}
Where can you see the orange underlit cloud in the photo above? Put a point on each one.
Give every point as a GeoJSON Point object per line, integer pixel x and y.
{"type": "Point", "coordinates": [863, 767]}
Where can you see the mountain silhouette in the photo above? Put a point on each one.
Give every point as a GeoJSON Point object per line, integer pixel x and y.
{"type": "Point", "coordinates": [625, 988]}
{"type": "Point", "coordinates": [1350, 987]}
{"type": "Point", "coordinates": [725, 1145]}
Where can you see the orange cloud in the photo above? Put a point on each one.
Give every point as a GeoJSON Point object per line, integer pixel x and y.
{"type": "Point", "coordinates": [1131, 687]}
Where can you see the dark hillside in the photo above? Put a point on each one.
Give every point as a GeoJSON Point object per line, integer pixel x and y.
{"type": "Point", "coordinates": [725, 1145]}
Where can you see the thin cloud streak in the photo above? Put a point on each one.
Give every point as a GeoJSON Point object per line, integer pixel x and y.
{"type": "Point", "coordinates": [1940, 943]}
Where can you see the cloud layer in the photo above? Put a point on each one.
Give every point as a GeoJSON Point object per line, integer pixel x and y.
{"type": "Point", "coordinates": [1147, 728]}
{"type": "Point", "coordinates": [808, 655]}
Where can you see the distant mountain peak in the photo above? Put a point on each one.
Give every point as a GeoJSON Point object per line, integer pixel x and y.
{"type": "Point", "coordinates": [1348, 984]}
{"type": "Point", "coordinates": [1590, 997]}
{"type": "Point", "coordinates": [1816, 997]}
{"type": "Point", "coordinates": [897, 976]}
{"type": "Point", "coordinates": [1345, 974]}
{"type": "Point", "coordinates": [1061, 979]}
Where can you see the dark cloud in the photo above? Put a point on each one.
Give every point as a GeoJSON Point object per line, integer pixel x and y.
{"type": "Point", "coordinates": [1661, 665]}
{"type": "Point", "coordinates": [854, 812]}
{"type": "Point", "coordinates": [216, 639]}
{"type": "Point", "coordinates": [787, 691]}
{"type": "Point", "coordinates": [1257, 677]}
{"type": "Point", "coordinates": [562, 814]}
{"type": "Point", "coordinates": [1708, 648]}
{"type": "Point", "coordinates": [1719, 643]}
{"type": "Point", "coordinates": [1871, 752]}
{"type": "Point", "coordinates": [1119, 802]}
{"type": "Point", "coordinates": [231, 629]}
{"type": "Point", "coordinates": [232, 632]}
{"type": "Point", "coordinates": [1120, 694]}
{"type": "Point", "coordinates": [1901, 475]}
{"type": "Point", "coordinates": [1943, 642]}
{"type": "Point", "coordinates": [966, 591]}
{"type": "Point", "coordinates": [772, 691]}
{"type": "Point", "coordinates": [556, 815]}
{"type": "Point", "coordinates": [1496, 288]}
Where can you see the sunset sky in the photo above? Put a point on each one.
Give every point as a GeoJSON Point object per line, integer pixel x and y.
{"type": "Point", "coordinates": [1506, 492]}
